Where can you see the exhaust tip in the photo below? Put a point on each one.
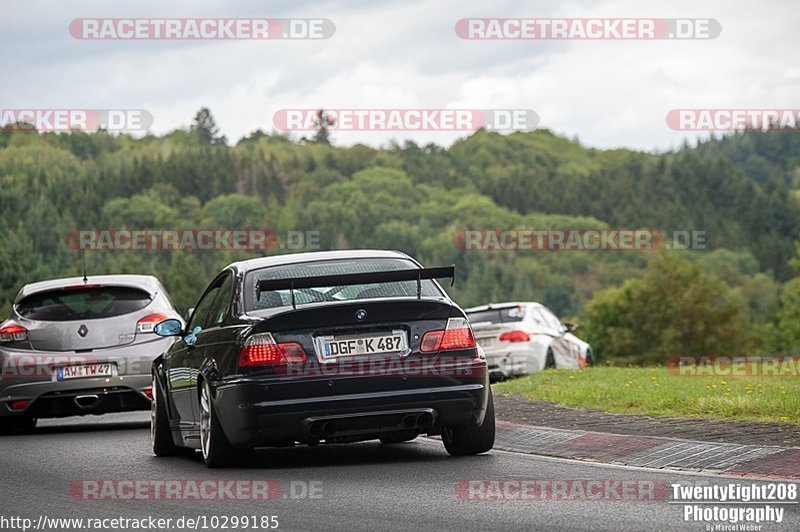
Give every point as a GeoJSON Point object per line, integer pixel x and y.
{"type": "Point", "coordinates": [409, 421]}
{"type": "Point", "coordinates": [425, 420]}
{"type": "Point", "coordinates": [86, 401]}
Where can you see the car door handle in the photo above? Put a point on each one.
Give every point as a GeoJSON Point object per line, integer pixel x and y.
{"type": "Point", "coordinates": [191, 338]}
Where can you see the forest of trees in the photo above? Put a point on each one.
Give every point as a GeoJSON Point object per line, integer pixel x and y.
{"type": "Point", "coordinates": [741, 190]}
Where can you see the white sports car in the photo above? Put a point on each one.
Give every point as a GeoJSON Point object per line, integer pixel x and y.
{"type": "Point", "coordinates": [522, 338]}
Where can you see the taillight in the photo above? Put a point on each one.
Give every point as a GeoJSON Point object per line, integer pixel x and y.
{"type": "Point", "coordinates": [13, 333]}
{"type": "Point", "coordinates": [431, 341]}
{"type": "Point", "coordinates": [148, 392]}
{"type": "Point", "coordinates": [21, 404]}
{"type": "Point", "coordinates": [263, 350]}
{"type": "Point", "coordinates": [457, 335]}
{"type": "Point", "coordinates": [72, 288]}
{"type": "Point", "coordinates": [515, 336]}
{"type": "Point", "coordinates": [148, 323]}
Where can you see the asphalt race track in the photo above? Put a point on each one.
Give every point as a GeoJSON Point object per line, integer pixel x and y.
{"type": "Point", "coordinates": [368, 486]}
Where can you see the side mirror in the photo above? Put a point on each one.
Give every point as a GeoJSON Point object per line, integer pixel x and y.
{"type": "Point", "coordinates": [571, 327]}
{"type": "Point", "coordinates": [171, 327]}
{"type": "Point", "coordinates": [189, 314]}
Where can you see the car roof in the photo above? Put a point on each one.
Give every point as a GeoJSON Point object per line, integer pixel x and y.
{"type": "Point", "coordinates": [492, 306]}
{"type": "Point", "coordinates": [145, 282]}
{"type": "Point", "coordinates": [314, 256]}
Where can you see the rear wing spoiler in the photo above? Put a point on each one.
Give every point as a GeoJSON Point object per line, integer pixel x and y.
{"type": "Point", "coordinates": [392, 276]}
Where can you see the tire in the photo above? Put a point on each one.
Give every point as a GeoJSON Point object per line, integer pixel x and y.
{"type": "Point", "coordinates": [550, 360]}
{"type": "Point", "coordinates": [217, 452]}
{"type": "Point", "coordinates": [17, 425]}
{"type": "Point", "coordinates": [160, 433]}
{"type": "Point", "coordinates": [589, 358]}
{"type": "Point", "coordinates": [397, 438]}
{"type": "Point", "coordinates": [26, 424]}
{"type": "Point", "coordinates": [468, 441]}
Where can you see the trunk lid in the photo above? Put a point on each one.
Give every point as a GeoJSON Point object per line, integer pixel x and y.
{"type": "Point", "coordinates": [84, 334]}
{"type": "Point", "coordinates": [83, 317]}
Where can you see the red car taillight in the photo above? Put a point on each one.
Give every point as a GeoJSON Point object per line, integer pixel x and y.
{"type": "Point", "coordinates": [515, 336]}
{"type": "Point", "coordinates": [263, 350]}
{"type": "Point", "coordinates": [21, 404]}
{"type": "Point", "coordinates": [457, 335]}
{"type": "Point", "coordinates": [148, 323]}
{"type": "Point", "coordinates": [13, 332]}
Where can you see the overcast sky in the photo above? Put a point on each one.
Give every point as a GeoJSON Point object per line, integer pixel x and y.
{"type": "Point", "coordinates": [406, 54]}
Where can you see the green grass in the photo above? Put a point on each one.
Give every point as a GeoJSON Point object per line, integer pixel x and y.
{"type": "Point", "coordinates": [657, 391]}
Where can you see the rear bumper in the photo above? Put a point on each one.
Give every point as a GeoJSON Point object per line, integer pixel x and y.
{"type": "Point", "coordinates": [78, 397]}
{"type": "Point", "coordinates": [514, 360]}
{"type": "Point", "coordinates": [264, 412]}
{"type": "Point", "coordinates": [28, 376]}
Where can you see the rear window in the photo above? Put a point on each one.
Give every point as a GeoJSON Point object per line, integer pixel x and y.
{"type": "Point", "coordinates": [83, 303]}
{"type": "Point", "coordinates": [282, 298]}
{"type": "Point", "coordinates": [500, 315]}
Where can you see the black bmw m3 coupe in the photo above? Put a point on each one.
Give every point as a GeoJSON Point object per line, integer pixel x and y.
{"type": "Point", "coordinates": [333, 347]}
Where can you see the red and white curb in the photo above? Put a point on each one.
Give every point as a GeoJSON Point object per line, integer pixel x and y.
{"type": "Point", "coordinates": [653, 452]}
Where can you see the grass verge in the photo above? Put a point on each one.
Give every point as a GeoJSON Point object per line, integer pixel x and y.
{"type": "Point", "coordinates": [657, 391]}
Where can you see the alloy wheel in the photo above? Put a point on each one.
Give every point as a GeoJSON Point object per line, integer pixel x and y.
{"type": "Point", "coordinates": [205, 420]}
